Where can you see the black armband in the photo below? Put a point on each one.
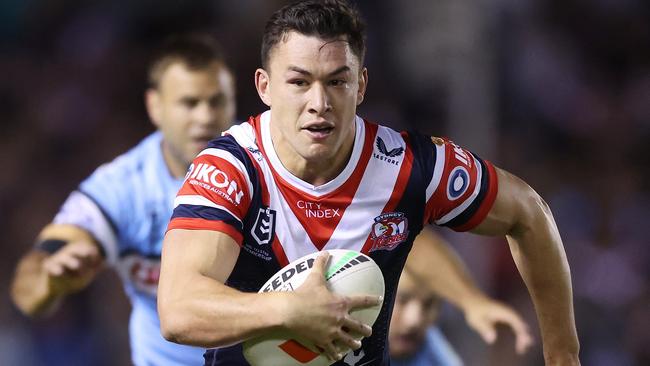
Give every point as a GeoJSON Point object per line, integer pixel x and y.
{"type": "Point", "coordinates": [51, 245]}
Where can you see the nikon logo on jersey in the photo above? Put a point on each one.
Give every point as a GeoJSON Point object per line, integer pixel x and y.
{"type": "Point", "coordinates": [214, 180]}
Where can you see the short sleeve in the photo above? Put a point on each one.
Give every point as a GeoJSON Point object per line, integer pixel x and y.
{"type": "Point", "coordinates": [216, 193]}
{"type": "Point", "coordinates": [462, 188]}
{"type": "Point", "coordinates": [98, 206]}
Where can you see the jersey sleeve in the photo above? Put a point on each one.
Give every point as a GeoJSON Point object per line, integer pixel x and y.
{"type": "Point", "coordinates": [215, 195]}
{"type": "Point", "coordinates": [100, 206]}
{"type": "Point", "coordinates": [462, 188]}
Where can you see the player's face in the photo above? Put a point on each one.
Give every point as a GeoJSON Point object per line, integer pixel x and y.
{"type": "Point", "coordinates": [191, 107]}
{"type": "Point", "coordinates": [313, 87]}
{"type": "Point", "coordinates": [415, 310]}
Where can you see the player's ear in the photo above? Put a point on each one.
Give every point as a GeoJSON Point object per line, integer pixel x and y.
{"type": "Point", "coordinates": [363, 84]}
{"type": "Point", "coordinates": [262, 85]}
{"type": "Point", "coordinates": [154, 106]}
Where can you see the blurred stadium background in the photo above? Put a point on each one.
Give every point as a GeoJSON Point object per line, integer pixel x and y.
{"type": "Point", "coordinates": [557, 92]}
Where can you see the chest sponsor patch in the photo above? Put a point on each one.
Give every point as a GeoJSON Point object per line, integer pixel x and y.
{"type": "Point", "coordinates": [388, 231]}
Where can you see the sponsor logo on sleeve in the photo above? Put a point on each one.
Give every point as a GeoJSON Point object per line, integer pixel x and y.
{"type": "Point", "coordinates": [462, 156]}
{"type": "Point", "coordinates": [189, 171]}
{"type": "Point", "coordinates": [458, 183]}
{"type": "Point", "coordinates": [209, 177]}
{"type": "Point", "coordinates": [388, 231]}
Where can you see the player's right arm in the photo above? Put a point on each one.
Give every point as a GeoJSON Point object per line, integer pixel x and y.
{"type": "Point", "coordinates": [65, 260]}
{"type": "Point", "coordinates": [197, 308]}
{"type": "Point", "coordinates": [200, 250]}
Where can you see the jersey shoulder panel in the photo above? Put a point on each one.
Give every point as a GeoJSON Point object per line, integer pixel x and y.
{"type": "Point", "coordinates": [133, 194]}
{"type": "Point", "coordinates": [462, 187]}
{"type": "Point", "coordinates": [218, 187]}
{"type": "Point", "coordinates": [111, 184]}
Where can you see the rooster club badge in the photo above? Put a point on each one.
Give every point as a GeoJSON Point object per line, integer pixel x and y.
{"type": "Point", "coordinates": [389, 230]}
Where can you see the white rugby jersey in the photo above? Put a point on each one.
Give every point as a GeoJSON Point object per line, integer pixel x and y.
{"type": "Point", "coordinates": [393, 184]}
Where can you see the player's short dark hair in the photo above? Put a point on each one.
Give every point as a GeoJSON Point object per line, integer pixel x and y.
{"type": "Point", "coordinates": [195, 50]}
{"type": "Point", "coordinates": [327, 19]}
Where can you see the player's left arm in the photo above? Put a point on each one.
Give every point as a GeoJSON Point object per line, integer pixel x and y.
{"type": "Point", "coordinates": [435, 264]}
{"type": "Point", "coordinates": [524, 217]}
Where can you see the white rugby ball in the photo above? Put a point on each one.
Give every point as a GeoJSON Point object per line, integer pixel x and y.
{"type": "Point", "coordinates": [348, 272]}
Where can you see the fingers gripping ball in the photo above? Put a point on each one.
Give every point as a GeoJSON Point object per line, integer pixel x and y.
{"type": "Point", "coordinates": [347, 273]}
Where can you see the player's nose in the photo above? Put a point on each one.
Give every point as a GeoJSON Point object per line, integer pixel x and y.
{"type": "Point", "coordinates": [204, 114]}
{"type": "Point", "coordinates": [319, 101]}
{"type": "Point", "coordinates": [412, 315]}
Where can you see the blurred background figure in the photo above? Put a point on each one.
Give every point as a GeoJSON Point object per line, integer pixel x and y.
{"type": "Point", "coordinates": [414, 339]}
{"type": "Point", "coordinates": [118, 215]}
{"type": "Point", "coordinates": [433, 273]}
{"type": "Point", "coordinates": [557, 92]}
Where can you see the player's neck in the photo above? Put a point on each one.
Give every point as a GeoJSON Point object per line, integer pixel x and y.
{"type": "Point", "coordinates": [313, 171]}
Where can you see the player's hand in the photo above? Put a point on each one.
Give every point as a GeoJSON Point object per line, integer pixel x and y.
{"type": "Point", "coordinates": [322, 317]}
{"type": "Point", "coordinates": [483, 316]}
{"type": "Point", "coordinates": [72, 267]}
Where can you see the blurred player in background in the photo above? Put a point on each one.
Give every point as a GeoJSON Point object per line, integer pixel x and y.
{"type": "Point", "coordinates": [117, 216]}
{"type": "Point", "coordinates": [310, 175]}
{"type": "Point", "coordinates": [412, 337]}
{"type": "Point", "coordinates": [432, 273]}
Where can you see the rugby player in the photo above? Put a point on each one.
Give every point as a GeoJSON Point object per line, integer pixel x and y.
{"type": "Point", "coordinates": [117, 216]}
{"type": "Point", "coordinates": [238, 218]}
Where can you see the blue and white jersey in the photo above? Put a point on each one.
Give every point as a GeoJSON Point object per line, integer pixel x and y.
{"type": "Point", "coordinates": [126, 205]}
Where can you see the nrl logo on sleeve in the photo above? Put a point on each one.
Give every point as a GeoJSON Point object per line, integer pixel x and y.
{"type": "Point", "coordinates": [389, 230]}
{"type": "Point", "coordinates": [264, 227]}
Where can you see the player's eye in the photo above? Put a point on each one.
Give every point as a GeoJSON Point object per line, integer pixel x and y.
{"type": "Point", "coordinates": [298, 82]}
{"type": "Point", "coordinates": [338, 82]}
{"type": "Point", "coordinates": [217, 101]}
{"type": "Point", "coordinates": [190, 102]}
{"type": "Point", "coordinates": [430, 304]}
{"type": "Point", "coordinates": [402, 298]}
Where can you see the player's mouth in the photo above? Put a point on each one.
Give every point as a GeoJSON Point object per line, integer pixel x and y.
{"type": "Point", "coordinates": [318, 130]}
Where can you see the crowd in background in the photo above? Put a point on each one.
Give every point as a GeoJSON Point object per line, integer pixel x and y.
{"type": "Point", "coordinates": [557, 92]}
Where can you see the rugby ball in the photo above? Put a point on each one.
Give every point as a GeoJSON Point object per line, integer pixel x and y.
{"type": "Point", "coordinates": [348, 272]}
